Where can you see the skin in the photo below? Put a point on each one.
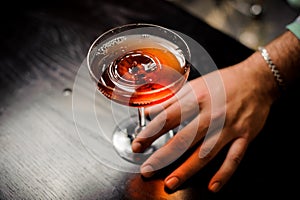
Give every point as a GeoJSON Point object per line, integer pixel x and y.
{"type": "Point", "coordinates": [240, 102]}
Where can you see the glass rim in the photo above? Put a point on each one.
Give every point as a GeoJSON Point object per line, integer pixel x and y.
{"type": "Point", "coordinates": [93, 45]}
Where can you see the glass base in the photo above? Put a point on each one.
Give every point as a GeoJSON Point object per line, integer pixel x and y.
{"type": "Point", "coordinates": [122, 141]}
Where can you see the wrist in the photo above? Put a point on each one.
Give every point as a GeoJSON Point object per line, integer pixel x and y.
{"type": "Point", "coordinates": [261, 78]}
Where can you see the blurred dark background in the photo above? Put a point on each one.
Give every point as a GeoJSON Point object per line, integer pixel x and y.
{"type": "Point", "coordinates": [252, 22]}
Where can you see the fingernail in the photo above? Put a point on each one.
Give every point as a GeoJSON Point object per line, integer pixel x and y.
{"type": "Point", "coordinates": [172, 183]}
{"type": "Point", "coordinates": [147, 170]}
{"type": "Point", "coordinates": [215, 187]}
{"type": "Point", "coordinates": [136, 147]}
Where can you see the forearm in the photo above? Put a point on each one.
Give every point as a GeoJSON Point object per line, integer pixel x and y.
{"type": "Point", "coordinates": [285, 53]}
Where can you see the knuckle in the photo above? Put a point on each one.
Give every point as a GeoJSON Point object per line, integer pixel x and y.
{"type": "Point", "coordinates": [202, 96]}
{"type": "Point", "coordinates": [205, 154]}
{"type": "Point", "coordinates": [235, 159]}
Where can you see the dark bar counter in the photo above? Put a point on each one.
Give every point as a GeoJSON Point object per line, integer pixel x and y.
{"type": "Point", "coordinates": [43, 45]}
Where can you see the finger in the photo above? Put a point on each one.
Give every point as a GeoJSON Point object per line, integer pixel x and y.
{"type": "Point", "coordinates": [152, 111]}
{"type": "Point", "coordinates": [170, 152]}
{"type": "Point", "coordinates": [230, 164]}
{"type": "Point", "coordinates": [163, 122]}
{"type": "Point", "coordinates": [167, 120]}
{"type": "Point", "coordinates": [195, 162]}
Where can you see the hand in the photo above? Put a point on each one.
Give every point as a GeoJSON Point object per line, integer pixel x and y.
{"type": "Point", "coordinates": [222, 107]}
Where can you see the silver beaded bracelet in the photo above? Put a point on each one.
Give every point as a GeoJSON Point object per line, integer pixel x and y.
{"type": "Point", "coordinates": [272, 66]}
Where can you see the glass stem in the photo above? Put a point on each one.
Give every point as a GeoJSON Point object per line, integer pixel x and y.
{"type": "Point", "coordinates": [141, 123]}
{"type": "Point", "coordinates": [142, 117]}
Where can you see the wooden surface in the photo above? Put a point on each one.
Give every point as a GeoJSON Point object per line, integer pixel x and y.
{"type": "Point", "coordinates": [50, 147]}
